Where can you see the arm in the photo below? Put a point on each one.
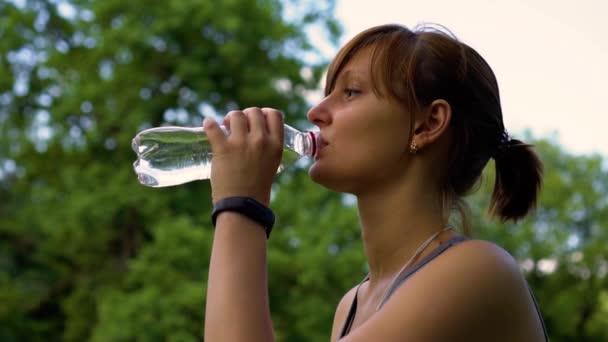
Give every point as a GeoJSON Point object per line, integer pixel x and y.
{"type": "Point", "coordinates": [244, 164]}
{"type": "Point", "coordinates": [237, 295]}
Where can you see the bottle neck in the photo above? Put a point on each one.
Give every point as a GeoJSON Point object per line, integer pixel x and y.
{"type": "Point", "coordinates": [303, 143]}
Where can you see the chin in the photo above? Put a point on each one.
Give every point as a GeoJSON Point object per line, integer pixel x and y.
{"type": "Point", "coordinates": [315, 174]}
{"type": "Point", "coordinates": [332, 181]}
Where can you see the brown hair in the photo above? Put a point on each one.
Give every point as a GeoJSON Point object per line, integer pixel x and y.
{"type": "Point", "coordinates": [416, 67]}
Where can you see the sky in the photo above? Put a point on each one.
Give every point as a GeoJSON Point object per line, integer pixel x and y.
{"type": "Point", "coordinates": [550, 57]}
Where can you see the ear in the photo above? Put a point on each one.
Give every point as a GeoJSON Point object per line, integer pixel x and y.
{"type": "Point", "coordinates": [433, 123]}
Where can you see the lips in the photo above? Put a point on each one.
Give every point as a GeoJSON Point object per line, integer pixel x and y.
{"type": "Point", "coordinates": [321, 143]}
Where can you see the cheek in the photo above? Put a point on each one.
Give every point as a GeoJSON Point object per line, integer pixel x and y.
{"type": "Point", "coordinates": [374, 160]}
{"type": "Point", "coordinates": [379, 148]}
{"type": "Point", "coordinates": [356, 165]}
{"type": "Point", "coordinates": [363, 151]}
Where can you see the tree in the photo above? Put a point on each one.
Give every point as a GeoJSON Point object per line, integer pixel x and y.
{"type": "Point", "coordinates": [83, 247]}
{"type": "Point", "coordinates": [86, 253]}
{"type": "Point", "coordinates": [561, 247]}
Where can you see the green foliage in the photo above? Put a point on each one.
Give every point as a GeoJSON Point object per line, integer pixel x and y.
{"type": "Point", "coordinates": [86, 253]}
{"type": "Point", "coordinates": [162, 297]}
{"type": "Point", "coordinates": [315, 257]}
{"type": "Point", "coordinates": [561, 247]}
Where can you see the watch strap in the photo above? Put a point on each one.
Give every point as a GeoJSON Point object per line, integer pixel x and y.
{"type": "Point", "coordinates": [248, 207]}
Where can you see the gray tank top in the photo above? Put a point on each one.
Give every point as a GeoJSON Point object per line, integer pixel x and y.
{"type": "Point", "coordinates": [401, 278]}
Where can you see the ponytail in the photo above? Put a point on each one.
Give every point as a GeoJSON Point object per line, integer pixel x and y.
{"type": "Point", "coordinates": [518, 181]}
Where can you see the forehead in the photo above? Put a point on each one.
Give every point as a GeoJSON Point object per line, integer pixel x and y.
{"type": "Point", "coordinates": [363, 59]}
{"type": "Point", "coordinates": [367, 64]}
{"type": "Point", "coordinates": [358, 65]}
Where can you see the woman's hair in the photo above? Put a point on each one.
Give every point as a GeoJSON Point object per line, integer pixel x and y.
{"type": "Point", "coordinates": [416, 67]}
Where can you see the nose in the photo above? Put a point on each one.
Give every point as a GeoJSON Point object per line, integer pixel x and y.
{"type": "Point", "coordinates": [319, 115]}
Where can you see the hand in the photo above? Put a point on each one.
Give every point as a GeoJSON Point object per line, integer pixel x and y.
{"type": "Point", "coordinates": [245, 162]}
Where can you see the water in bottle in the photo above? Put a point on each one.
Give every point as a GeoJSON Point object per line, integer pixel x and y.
{"type": "Point", "coordinates": [174, 155]}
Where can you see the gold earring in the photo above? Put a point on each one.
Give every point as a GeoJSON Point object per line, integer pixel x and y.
{"type": "Point", "coordinates": [414, 147]}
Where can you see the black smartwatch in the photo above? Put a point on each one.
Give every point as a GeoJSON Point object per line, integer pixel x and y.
{"type": "Point", "coordinates": [246, 206]}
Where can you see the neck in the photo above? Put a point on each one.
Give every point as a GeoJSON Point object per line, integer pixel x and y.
{"type": "Point", "coordinates": [395, 221]}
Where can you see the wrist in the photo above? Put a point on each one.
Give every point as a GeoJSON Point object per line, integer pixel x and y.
{"type": "Point", "coordinates": [239, 227]}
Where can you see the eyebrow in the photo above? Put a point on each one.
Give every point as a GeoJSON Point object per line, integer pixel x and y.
{"type": "Point", "coordinates": [350, 74]}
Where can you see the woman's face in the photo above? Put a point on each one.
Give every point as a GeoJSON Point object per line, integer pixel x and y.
{"type": "Point", "coordinates": [365, 138]}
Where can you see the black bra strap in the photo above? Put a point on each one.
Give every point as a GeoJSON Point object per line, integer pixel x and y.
{"type": "Point", "coordinates": [540, 315]}
{"type": "Point", "coordinates": [352, 311]}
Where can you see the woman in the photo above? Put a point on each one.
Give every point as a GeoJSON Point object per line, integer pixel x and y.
{"type": "Point", "coordinates": [409, 120]}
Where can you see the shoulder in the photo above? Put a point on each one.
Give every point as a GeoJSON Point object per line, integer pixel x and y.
{"type": "Point", "coordinates": [484, 290]}
{"type": "Point", "coordinates": [476, 287]}
{"type": "Point", "coordinates": [341, 313]}
{"type": "Point", "coordinates": [473, 291]}
{"type": "Point", "coordinates": [482, 271]}
{"type": "Point", "coordinates": [481, 255]}
{"type": "Point", "coordinates": [492, 264]}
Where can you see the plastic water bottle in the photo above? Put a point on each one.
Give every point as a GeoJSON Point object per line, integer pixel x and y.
{"type": "Point", "coordinates": [172, 155]}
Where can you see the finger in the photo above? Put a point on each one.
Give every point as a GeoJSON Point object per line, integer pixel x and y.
{"type": "Point", "coordinates": [214, 132]}
{"type": "Point", "coordinates": [274, 120]}
{"type": "Point", "coordinates": [257, 122]}
{"type": "Point", "coordinates": [226, 122]}
{"type": "Point", "coordinates": [237, 123]}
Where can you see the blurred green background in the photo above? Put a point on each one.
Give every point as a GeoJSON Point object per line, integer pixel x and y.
{"type": "Point", "coordinates": [87, 253]}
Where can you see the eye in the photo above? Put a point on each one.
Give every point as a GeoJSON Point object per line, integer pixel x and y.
{"type": "Point", "coordinates": [350, 92]}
